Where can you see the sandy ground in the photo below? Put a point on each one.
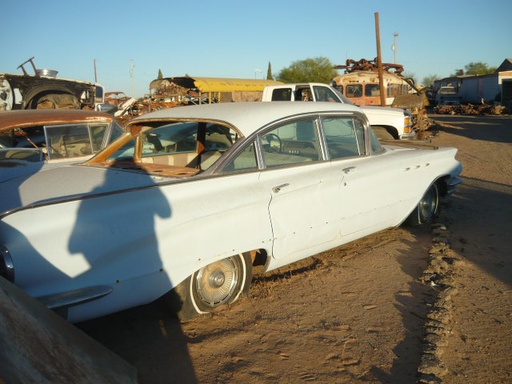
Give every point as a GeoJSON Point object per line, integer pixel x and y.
{"type": "Point", "coordinates": [429, 304]}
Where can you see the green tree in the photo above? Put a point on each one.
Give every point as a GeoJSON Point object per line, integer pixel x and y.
{"type": "Point", "coordinates": [479, 69]}
{"type": "Point", "coordinates": [428, 81]}
{"type": "Point", "coordinates": [269, 72]}
{"type": "Point", "coordinates": [160, 76]}
{"type": "Point", "coordinates": [319, 70]}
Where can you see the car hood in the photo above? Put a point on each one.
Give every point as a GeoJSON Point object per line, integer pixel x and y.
{"type": "Point", "coordinates": [65, 183]}
{"type": "Point", "coordinates": [381, 110]}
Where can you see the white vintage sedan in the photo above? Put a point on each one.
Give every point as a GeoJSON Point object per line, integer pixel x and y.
{"type": "Point", "coordinates": [191, 198]}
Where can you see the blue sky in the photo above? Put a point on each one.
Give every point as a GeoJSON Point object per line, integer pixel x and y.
{"type": "Point", "coordinates": [131, 40]}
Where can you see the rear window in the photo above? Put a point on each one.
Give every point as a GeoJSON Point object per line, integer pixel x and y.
{"type": "Point", "coordinates": [282, 94]}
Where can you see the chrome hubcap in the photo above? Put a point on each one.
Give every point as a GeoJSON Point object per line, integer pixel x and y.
{"type": "Point", "coordinates": [217, 279]}
{"type": "Point", "coordinates": [217, 283]}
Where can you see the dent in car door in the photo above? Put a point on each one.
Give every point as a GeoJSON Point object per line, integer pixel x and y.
{"type": "Point", "coordinates": [302, 191]}
{"type": "Point", "coordinates": [301, 211]}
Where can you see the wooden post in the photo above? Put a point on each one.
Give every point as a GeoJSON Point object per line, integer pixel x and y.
{"type": "Point", "coordinates": [379, 61]}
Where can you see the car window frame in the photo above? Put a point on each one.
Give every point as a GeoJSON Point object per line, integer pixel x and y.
{"type": "Point", "coordinates": [255, 138]}
{"type": "Point", "coordinates": [364, 141]}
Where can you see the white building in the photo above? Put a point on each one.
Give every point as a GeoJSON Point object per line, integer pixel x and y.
{"type": "Point", "coordinates": [495, 88]}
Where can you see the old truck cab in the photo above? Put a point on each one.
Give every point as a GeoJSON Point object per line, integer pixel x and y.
{"type": "Point", "coordinates": [387, 122]}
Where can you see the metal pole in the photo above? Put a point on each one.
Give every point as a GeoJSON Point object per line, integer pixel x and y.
{"type": "Point", "coordinates": [395, 46]}
{"type": "Point", "coordinates": [131, 75]}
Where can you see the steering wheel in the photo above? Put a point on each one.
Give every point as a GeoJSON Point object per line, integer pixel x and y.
{"type": "Point", "coordinates": [274, 142]}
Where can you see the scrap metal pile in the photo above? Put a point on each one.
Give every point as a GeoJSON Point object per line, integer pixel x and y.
{"type": "Point", "coordinates": [471, 109]}
{"type": "Point", "coordinates": [370, 65]}
{"type": "Point", "coordinates": [416, 101]}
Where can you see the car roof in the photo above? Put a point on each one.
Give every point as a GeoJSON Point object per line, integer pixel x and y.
{"type": "Point", "coordinates": [32, 117]}
{"type": "Point", "coordinates": [245, 116]}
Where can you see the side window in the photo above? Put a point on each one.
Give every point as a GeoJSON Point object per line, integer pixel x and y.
{"type": "Point", "coordinates": [219, 138]}
{"type": "Point", "coordinates": [393, 90]}
{"type": "Point", "coordinates": [66, 141]}
{"type": "Point", "coordinates": [7, 140]}
{"type": "Point", "coordinates": [245, 161]}
{"type": "Point", "coordinates": [98, 132]}
{"type": "Point", "coordinates": [292, 143]}
{"type": "Point", "coordinates": [116, 132]}
{"type": "Point", "coordinates": [376, 146]}
{"type": "Point", "coordinates": [325, 94]}
{"type": "Point", "coordinates": [372, 90]}
{"type": "Point", "coordinates": [27, 137]}
{"type": "Point", "coordinates": [282, 94]}
{"type": "Point", "coordinates": [354, 90]}
{"type": "Point", "coordinates": [303, 94]}
{"type": "Point", "coordinates": [344, 136]}
{"type": "Point", "coordinates": [126, 152]}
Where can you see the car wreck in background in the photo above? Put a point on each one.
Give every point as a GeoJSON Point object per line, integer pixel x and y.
{"type": "Point", "coordinates": [387, 123]}
{"type": "Point", "coordinates": [361, 85]}
{"type": "Point", "coordinates": [43, 90]}
{"type": "Point", "coordinates": [207, 90]}
{"type": "Point", "coordinates": [32, 140]}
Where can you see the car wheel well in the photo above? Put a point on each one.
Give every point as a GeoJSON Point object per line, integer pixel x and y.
{"type": "Point", "coordinates": [427, 208]}
{"type": "Point", "coordinates": [258, 257]}
{"type": "Point", "coordinates": [442, 186]}
{"type": "Point", "coordinates": [385, 132]}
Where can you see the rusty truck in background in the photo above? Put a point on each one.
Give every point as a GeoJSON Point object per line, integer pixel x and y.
{"type": "Point", "coordinates": [44, 90]}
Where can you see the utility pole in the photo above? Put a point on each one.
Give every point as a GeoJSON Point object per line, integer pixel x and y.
{"type": "Point", "coordinates": [132, 65]}
{"type": "Point", "coordinates": [379, 61]}
{"type": "Point", "coordinates": [395, 46]}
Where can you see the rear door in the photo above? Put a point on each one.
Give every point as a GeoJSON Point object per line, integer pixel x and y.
{"type": "Point", "coordinates": [369, 189]}
{"type": "Point", "coordinates": [301, 188]}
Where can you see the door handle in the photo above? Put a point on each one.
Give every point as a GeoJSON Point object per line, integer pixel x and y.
{"type": "Point", "coordinates": [279, 187]}
{"type": "Point", "coordinates": [348, 170]}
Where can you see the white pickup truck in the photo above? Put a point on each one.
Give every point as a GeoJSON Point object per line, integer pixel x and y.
{"type": "Point", "coordinates": [386, 122]}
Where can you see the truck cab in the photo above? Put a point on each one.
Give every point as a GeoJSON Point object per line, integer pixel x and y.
{"type": "Point", "coordinates": [387, 122]}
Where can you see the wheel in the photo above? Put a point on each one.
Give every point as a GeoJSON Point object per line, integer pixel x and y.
{"type": "Point", "coordinates": [382, 133]}
{"type": "Point", "coordinates": [213, 286]}
{"type": "Point", "coordinates": [54, 101]}
{"type": "Point", "coordinates": [427, 208]}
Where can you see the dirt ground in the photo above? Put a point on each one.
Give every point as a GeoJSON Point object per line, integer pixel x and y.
{"type": "Point", "coordinates": [429, 304]}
